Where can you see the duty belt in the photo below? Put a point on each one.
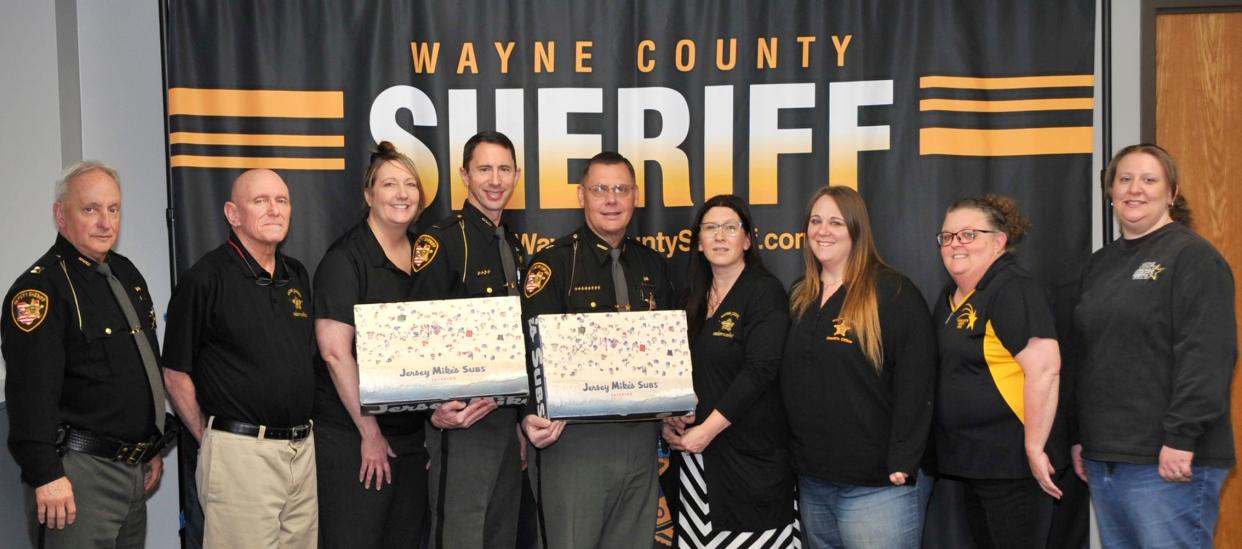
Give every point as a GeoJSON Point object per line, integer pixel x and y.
{"type": "Point", "coordinates": [131, 453]}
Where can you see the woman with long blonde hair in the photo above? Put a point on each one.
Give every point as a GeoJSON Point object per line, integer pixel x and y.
{"type": "Point", "coordinates": [857, 378]}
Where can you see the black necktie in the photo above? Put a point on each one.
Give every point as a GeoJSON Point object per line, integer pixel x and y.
{"type": "Point", "coordinates": [506, 261]}
{"type": "Point", "coordinates": [619, 287]}
{"type": "Point", "coordinates": [144, 345]}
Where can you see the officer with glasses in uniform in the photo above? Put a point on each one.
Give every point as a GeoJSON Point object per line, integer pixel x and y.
{"type": "Point", "coordinates": [239, 366]}
{"type": "Point", "coordinates": [596, 484]}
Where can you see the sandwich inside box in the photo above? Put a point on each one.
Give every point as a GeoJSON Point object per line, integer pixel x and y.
{"type": "Point", "coordinates": [414, 355]}
{"type": "Point", "coordinates": [612, 366]}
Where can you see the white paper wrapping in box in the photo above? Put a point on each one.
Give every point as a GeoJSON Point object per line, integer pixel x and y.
{"type": "Point", "coordinates": [417, 354]}
{"type": "Point", "coordinates": [612, 366]}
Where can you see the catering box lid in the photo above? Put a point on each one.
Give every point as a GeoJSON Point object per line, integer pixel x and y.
{"type": "Point", "coordinates": [414, 355]}
{"type": "Point", "coordinates": [612, 366]}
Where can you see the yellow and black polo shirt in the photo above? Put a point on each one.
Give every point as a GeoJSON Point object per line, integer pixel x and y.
{"type": "Point", "coordinates": [979, 404]}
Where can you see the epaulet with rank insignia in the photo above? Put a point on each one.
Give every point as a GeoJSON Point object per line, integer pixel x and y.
{"type": "Point", "coordinates": [455, 219]}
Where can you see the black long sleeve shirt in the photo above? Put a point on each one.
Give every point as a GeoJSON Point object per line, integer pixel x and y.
{"type": "Point", "coordinates": [737, 355]}
{"type": "Point", "coordinates": [849, 423]}
{"type": "Point", "coordinates": [1158, 326]}
{"type": "Point", "coordinates": [71, 357]}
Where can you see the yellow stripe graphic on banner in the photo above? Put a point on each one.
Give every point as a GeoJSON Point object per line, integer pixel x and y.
{"type": "Point", "coordinates": [256, 140]}
{"type": "Point", "coordinates": [1018, 105]}
{"type": "Point", "coordinates": [1008, 82]}
{"type": "Point", "coordinates": [273, 163]}
{"type": "Point", "coordinates": [256, 103]}
{"type": "Point", "coordinates": [1014, 142]}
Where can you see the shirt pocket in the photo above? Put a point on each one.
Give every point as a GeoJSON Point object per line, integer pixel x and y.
{"type": "Point", "coordinates": [591, 301]}
{"type": "Point", "coordinates": [100, 346]}
{"type": "Point", "coordinates": [491, 284]}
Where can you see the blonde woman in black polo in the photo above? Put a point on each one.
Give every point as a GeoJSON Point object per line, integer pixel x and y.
{"type": "Point", "coordinates": [999, 374]}
{"type": "Point", "coordinates": [372, 469]}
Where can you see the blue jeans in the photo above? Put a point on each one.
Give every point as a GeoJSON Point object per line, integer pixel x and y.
{"type": "Point", "coordinates": [1136, 508]}
{"type": "Point", "coordinates": [850, 516]}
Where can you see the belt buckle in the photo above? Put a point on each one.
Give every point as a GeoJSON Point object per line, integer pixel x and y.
{"type": "Point", "coordinates": [136, 453]}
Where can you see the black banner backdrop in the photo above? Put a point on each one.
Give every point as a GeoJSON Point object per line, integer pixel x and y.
{"type": "Point", "coordinates": [916, 104]}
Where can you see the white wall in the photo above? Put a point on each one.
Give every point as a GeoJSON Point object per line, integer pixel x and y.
{"type": "Point", "coordinates": [82, 80]}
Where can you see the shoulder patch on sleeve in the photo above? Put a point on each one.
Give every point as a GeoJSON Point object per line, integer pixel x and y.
{"type": "Point", "coordinates": [537, 276]}
{"type": "Point", "coordinates": [28, 309]}
{"type": "Point", "coordinates": [425, 249]}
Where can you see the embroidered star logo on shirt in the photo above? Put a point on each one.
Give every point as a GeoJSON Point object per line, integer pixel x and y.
{"type": "Point", "coordinates": [966, 319]}
{"type": "Point", "coordinates": [840, 332]}
{"type": "Point", "coordinates": [1149, 270]}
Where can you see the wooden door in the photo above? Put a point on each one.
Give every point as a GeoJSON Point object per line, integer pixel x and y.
{"type": "Point", "coordinates": [1199, 121]}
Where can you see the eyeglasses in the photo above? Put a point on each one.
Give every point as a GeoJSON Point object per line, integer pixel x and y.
{"type": "Point", "coordinates": [730, 229]}
{"type": "Point", "coordinates": [965, 236]}
{"type": "Point", "coordinates": [263, 280]}
{"type": "Point", "coordinates": [601, 190]}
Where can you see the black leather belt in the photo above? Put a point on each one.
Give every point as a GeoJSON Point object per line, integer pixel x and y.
{"type": "Point", "coordinates": [297, 432]}
{"type": "Point", "coordinates": [131, 453]}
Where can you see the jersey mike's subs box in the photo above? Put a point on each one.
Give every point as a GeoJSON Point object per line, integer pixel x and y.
{"type": "Point", "coordinates": [612, 366]}
{"type": "Point", "coordinates": [415, 355]}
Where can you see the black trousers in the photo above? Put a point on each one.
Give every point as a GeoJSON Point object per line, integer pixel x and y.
{"type": "Point", "coordinates": [1007, 513]}
{"type": "Point", "coordinates": [351, 517]}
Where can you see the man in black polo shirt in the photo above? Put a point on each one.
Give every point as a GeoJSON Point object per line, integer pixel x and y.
{"type": "Point", "coordinates": [476, 464]}
{"type": "Point", "coordinates": [239, 351]}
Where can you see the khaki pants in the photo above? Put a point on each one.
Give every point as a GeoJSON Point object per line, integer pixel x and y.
{"type": "Point", "coordinates": [257, 492]}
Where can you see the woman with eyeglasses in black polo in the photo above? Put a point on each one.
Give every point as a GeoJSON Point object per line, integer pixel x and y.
{"type": "Point", "coordinates": [996, 399]}
{"type": "Point", "coordinates": [734, 449]}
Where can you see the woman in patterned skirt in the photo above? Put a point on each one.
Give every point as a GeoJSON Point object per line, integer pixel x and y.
{"type": "Point", "coordinates": [737, 486]}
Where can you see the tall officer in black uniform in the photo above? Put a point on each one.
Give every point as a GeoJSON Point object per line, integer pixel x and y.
{"type": "Point", "coordinates": [597, 483]}
{"type": "Point", "coordinates": [239, 354]}
{"type": "Point", "coordinates": [86, 406]}
{"type": "Point", "coordinates": [475, 480]}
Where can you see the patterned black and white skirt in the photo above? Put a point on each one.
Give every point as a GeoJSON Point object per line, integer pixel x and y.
{"type": "Point", "coordinates": [694, 522]}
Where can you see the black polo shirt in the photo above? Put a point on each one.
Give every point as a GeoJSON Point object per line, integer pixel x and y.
{"type": "Point", "coordinates": [248, 347]}
{"type": "Point", "coordinates": [980, 410]}
{"type": "Point", "coordinates": [848, 422]}
{"type": "Point", "coordinates": [355, 271]}
{"type": "Point", "coordinates": [71, 358]}
{"type": "Point", "coordinates": [459, 257]}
